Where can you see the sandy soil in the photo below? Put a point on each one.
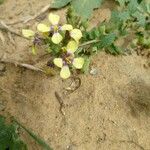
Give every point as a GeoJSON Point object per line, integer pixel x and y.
{"type": "Point", "coordinates": [109, 111]}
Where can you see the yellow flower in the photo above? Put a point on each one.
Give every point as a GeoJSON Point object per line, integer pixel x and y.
{"type": "Point", "coordinates": [76, 34]}
{"type": "Point", "coordinates": [37, 40]}
{"type": "Point", "coordinates": [67, 59]}
{"type": "Point", "coordinates": [54, 28]}
{"type": "Point", "coordinates": [28, 33]}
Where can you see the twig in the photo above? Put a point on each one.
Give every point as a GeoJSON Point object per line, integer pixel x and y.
{"type": "Point", "coordinates": [60, 101]}
{"type": "Point", "coordinates": [89, 42]}
{"type": "Point", "coordinates": [3, 26]}
{"type": "Point", "coordinates": [15, 22]}
{"type": "Point", "coordinates": [27, 66]}
{"type": "Point", "coordinates": [43, 10]}
{"type": "Point", "coordinates": [31, 67]}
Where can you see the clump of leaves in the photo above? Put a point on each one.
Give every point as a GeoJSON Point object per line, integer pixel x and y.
{"type": "Point", "coordinates": [10, 139]}
{"type": "Point", "coordinates": [133, 18]}
{"type": "Point", "coordinates": [71, 45]}
{"type": "Point", "coordinates": [1, 2]}
{"type": "Point", "coordinates": [79, 6]}
{"type": "Point", "coordinates": [62, 43]}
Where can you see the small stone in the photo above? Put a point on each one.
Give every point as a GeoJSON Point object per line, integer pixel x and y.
{"type": "Point", "coordinates": [94, 71]}
{"type": "Point", "coordinates": [71, 147]}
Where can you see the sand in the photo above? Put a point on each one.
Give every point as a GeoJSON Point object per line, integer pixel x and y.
{"type": "Point", "coordinates": [109, 111]}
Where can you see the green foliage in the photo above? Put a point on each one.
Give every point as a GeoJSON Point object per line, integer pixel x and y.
{"type": "Point", "coordinates": [103, 40]}
{"type": "Point", "coordinates": [1, 2]}
{"type": "Point", "coordinates": [44, 145]}
{"type": "Point", "coordinates": [10, 139]}
{"type": "Point", "coordinates": [143, 39]}
{"type": "Point", "coordinates": [132, 16]}
{"type": "Point", "coordinates": [86, 66]}
{"type": "Point", "coordinates": [130, 19]}
{"type": "Point", "coordinates": [122, 3]}
{"type": "Point", "coordinates": [114, 50]}
{"type": "Point", "coordinates": [83, 8]}
{"type": "Point", "coordinates": [60, 3]}
{"type": "Point", "coordinates": [138, 21]}
{"type": "Point", "coordinates": [134, 11]}
{"type": "Point", "coordinates": [132, 6]}
{"type": "Point", "coordinates": [106, 41]}
{"type": "Point", "coordinates": [119, 17]}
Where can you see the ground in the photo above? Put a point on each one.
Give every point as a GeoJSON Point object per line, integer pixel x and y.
{"type": "Point", "coordinates": [110, 109]}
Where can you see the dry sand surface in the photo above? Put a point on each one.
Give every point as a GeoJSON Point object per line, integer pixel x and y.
{"type": "Point", "coordinates": [109, 111]}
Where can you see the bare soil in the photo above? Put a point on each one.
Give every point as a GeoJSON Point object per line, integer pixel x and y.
{"type": "Point", "coordinates": [109, 111]}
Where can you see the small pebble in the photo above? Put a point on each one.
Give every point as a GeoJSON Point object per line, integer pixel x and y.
{"type": "Point", "coordinates": [94, 71]}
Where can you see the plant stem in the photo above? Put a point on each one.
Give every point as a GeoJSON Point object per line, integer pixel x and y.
{"type": "Point", "coordinates": [27, 66]}
{"type": "Point", "coordinates": [89, 42]}
{"type": "Point", "coordinates": [6, 28]}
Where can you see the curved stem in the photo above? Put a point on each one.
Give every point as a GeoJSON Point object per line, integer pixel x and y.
{"type": "Point", "coordinates": [89, 42]}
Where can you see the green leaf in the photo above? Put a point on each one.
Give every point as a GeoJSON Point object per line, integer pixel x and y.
{"type": "Point", "coordinates": [143, 41]}
{"type": "Point", "coordinates": [118, 17]}
{"type": "Point", "coordinates": [114, 50]}
{"type": "Point", "coordinates": [106, 40]}
{"type": "Point", "coordinates": [35, 137]}
{"type": "Point", "coordinates": [145, 7]}
{"type": "Point", "coordinates": [33, 50]}
{"type": "Point", "coordinates": [1, 2]}
{"type": "Point", "coordinates": [84, 8]}
{"type": "Point", "coordinates": [122, 2]}
{"type": "Point", "coordinates": [141, 20]}
{"type": "Point", "coordinates": [124, 15]}
{"type": "Point", "coordinates": [60, 3]}
{"type": "Point", "coordinates": [94, 33]}
{"type": "Point", "coordinates": [132, 6]}
{"type": "Point", "coordinates": [86, 65]}
{"type": "Point", "coordinates": [9, 137]}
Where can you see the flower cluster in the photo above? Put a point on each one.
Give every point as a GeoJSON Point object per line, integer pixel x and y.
{"type": "Point", "coordinates": [55, 31]}
{"type": "Point", "coordinates": [67, 59]}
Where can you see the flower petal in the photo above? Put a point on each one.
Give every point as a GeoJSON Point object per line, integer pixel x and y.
{"type": "Point", "coordinates": [43, 28]}
{"type": "Point", "coordinates": [57, 38]}
{"type": "Point", "coordinates": [58, 62]}
{"type": "Point", "coordinates": [33, 50]}
{"type": "Point", "coordinates": [67, 27]}
{"type": "Point", "coordinates": [76, 34]}
{"type": "Point", "coordinates": [72, 46]}
{"type": "Point", "coordinates": [28, 33]}
{"type": "Point", "coordinates": [65, 72]}
{"type": "Point", "coordinates": [78, 62]}
{"type": "Point", "coordinates": [54, 19]}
